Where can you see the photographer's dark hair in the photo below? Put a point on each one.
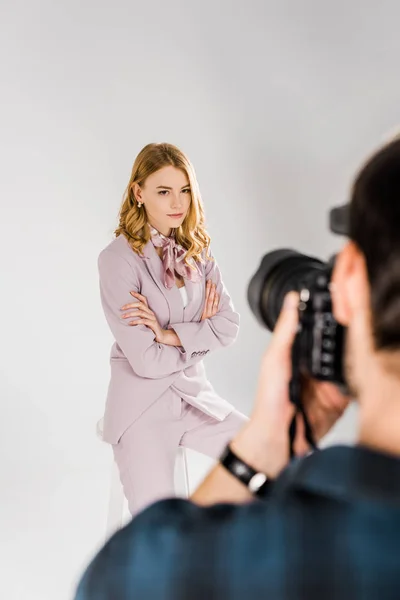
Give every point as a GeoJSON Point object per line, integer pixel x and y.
{"type": "Point", "coordinates": [375, 228]}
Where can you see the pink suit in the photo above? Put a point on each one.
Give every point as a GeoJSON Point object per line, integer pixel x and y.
{"type": "Point", "coordinates": [159, 396]}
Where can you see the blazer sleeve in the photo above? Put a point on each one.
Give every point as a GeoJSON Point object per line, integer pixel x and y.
{"type": "Point", "coordinates": [216, 332]}
{"type": "Point", "coordinates": [147, 357]}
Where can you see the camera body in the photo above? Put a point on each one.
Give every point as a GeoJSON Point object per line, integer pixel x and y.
{"type": "Point", "coordinates": [319, 345]}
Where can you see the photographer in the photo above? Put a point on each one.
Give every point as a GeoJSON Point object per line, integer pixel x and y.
{"type": "Point", "coordinates": [327, 525]}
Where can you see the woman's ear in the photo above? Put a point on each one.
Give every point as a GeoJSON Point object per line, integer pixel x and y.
{"type": "Point", "coordinates": [137, 192]}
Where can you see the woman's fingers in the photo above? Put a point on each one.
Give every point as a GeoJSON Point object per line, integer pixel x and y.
{"type": "Point", "coordinates": [211, 297]}
{"type": "Point", "coordinates": [140, 297]}
{"type": "Point", "coordinates": [142, 322]}
{"type": "Point", "coordinates": [137, 306]}
{"type": "Point", "coordinates": [205, 309]}
{"type": "Point", "coordinates": [213, 301]}
{"type": "Point", "coordinates": [208, 289]}
{"type": "Point", "coordinates": [215, 304]}
{"type": "Point", "coordinates": [140, 313]}
{"type": "Point", "coordinates": [209, 300]}
{"type": "Point", "coordinates": [132, 305]}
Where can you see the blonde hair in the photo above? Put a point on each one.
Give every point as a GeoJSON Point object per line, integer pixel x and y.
{"type": "Point", "coordinates": [192, 234]}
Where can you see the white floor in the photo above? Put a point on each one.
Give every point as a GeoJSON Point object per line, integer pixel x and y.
{"type": "Point", "coordinates": [58, 529]}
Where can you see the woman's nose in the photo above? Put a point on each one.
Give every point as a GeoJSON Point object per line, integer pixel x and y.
{"type": "Point", "coordinates": [176, 201]}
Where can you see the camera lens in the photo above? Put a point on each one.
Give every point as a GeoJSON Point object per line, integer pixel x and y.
{"type": "Point", "coordinates": [280, 272]}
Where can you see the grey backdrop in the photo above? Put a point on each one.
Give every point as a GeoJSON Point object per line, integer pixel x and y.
{"type": "Point", "coordinates": [276, 103]}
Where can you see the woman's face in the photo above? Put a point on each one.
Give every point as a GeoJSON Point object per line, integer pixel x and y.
{"type": "Point", "coordinates": [166, 194]}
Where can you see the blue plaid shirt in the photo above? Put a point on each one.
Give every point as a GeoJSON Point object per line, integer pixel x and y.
{"type": "Point", "coordinates": [329, 529]}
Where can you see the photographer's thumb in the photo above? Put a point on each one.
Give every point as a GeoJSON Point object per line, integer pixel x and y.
{"type": "Point", "coordinates": [285, 330]}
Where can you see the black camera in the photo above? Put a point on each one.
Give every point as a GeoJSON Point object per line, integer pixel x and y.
{"type": "Point", "coordinates": [319, 345]}
{"type": "Point", "coordinates": [320, 340]}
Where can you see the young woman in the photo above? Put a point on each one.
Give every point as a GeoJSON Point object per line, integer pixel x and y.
{"type": "Point", "coordinates": [166, 305]}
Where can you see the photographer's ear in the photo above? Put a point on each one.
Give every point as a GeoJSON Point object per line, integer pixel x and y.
{"type": "Point", "coordinates": [349, 284]}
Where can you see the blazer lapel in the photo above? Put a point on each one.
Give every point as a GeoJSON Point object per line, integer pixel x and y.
{"type": "Point", "coordinates": [173, 296]}
{"type": "Point", "coordinates": [189, 291]}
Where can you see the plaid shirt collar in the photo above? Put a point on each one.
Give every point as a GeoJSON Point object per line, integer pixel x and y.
{"type": "Point", "coordinates": [345, 472]}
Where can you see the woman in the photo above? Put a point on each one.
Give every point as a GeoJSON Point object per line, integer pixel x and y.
{"type": "Point", "coordinates": [166, 305]}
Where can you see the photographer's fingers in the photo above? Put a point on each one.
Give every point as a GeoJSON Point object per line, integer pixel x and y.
{"type": "Point", "coordinates": [273, 407]}
{"type": "Point", "coordinates": [325, 404]}
{"type": "Point", "coordinates": [285, 330]}
{"type": "Point", "coordinates": [300, 444]}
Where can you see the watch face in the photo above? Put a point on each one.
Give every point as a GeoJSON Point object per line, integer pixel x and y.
{"type": "Point", "coordinates": [256, 482]}
{"type": "Point", "coordinates": [241, 470]}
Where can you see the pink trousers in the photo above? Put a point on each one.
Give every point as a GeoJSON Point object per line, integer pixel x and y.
{"type": "Point", "coordinates": [146, 452]}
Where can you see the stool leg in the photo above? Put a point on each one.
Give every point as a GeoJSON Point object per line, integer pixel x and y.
{"type": "Point", "coordinates": [182, 487]}
{"type": "Point", "coordinates": [115, 502]}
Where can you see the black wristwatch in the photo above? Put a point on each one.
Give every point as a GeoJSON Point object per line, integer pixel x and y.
{"type": "Point", "coordinates": [257, 483]}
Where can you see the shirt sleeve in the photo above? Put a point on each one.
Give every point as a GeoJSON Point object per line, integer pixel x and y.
{"type": "Point", "coordinates": [147, 357]}
{"type": "Point", "coordinates": [215, 332]}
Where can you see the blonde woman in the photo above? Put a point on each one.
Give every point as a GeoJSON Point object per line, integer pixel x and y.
{"type": "Point", "coordinates": [167, 308]}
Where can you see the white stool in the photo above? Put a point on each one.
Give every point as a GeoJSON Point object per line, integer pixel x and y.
{"type": "Point", "coordinates": [116, 499]}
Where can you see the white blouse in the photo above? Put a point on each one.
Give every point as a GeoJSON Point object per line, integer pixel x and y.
{"type": "Point", "coordinates": [184, 295]}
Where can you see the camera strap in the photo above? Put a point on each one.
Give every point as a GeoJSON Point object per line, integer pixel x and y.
{"type": "Point", "coordinates": [295, 398]}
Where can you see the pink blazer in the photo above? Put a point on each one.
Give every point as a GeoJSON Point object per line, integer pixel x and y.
{"type": "Point", "coordinates": [141, 368]}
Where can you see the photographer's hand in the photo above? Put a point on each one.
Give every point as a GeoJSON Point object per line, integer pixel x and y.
{"type": "Point", "coordinates": [273, 412]}
{"type": "Point", "coordinates": [263, 442]}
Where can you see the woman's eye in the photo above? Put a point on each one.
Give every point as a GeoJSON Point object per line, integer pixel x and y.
{"type": "Point", "coordinates": [186, 191]}
{"type": "Point", "coordinates": [163, 192]}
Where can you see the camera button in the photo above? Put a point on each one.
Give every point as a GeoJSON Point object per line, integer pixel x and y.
{"type": "Point", "coordinates": [326, 371]}
{"type": "Point", "coordinates": [327, 358]}
{"type": "Point", "coordinates": [328, 344]}
{"type": "Point", "coordinates": [329, 331]}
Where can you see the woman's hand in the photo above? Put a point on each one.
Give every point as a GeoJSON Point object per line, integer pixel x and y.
{"type": "Point", "coordinates": [212, 301]}
{"type": "Point", "coordinates": [142, 314]}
